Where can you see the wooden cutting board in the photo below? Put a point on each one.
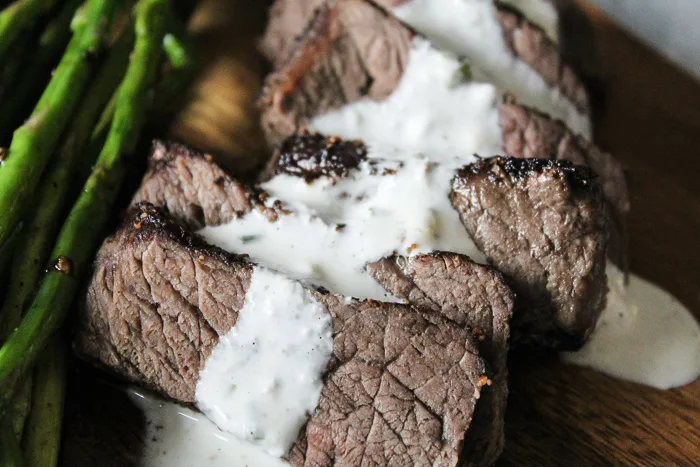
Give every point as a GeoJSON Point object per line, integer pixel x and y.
{"type": "Point", "coordinates": [557, 415]}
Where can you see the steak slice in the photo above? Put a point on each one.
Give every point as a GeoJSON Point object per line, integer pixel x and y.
{"type": "Point", "coordinates": [300, 91]}
{"type": "Point", "coordinates": [349, 51]}
{"type": "Point", "coordinates": [530, 44]}
{"type": "Point", "coordinates": [543, 224]}
{"type": "Point", "coordinates": [400, 389]}
{"type": "Point", "coordinates": [468, 294]}
{"type": "Point", "coordinates": [290, 20]}
{"type": "Point", "coordinates": [178, 178]}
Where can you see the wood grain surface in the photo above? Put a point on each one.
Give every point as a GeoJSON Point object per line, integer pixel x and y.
{"type": "Point", "coordinates": [558, 415]}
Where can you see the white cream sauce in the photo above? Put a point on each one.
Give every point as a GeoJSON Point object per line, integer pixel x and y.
{"type": "Point", "coordinates": [540, 12]}
{"type": "Point", "coordinates": [335, 229]}
{"type": "Point", "coordinates": [435, 110]}
{"type": "Point", "coordinates": [470, 29]}
{"type": "Point", "coordinates": [644, 335]}
{"type": "Point", "coordinates": [180, 437]}
{"type": "Point", "coordinates": [263, 377]}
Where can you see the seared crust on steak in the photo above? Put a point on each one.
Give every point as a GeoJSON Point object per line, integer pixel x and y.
{"type": "Point", "coordinates": [544, 225]}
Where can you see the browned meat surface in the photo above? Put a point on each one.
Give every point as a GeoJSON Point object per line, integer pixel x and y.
{"type": "Point", "coordinates": [351, 50]}
{"type": "Point", "coordinates": [401, 387]}
{"type": "Point", "coordinates": [289, 104]}
{"type": "Point", "coordinates": [289, 22]}
{"type": "Point", "coordinates": [567, 230]}
{"type": "Point", "coordinates": [544, 225]}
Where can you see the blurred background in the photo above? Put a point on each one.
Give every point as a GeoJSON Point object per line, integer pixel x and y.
{"type": "Point", "coordinates": [669, 26]}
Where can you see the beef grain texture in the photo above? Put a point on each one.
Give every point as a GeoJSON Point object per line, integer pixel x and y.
{"type": "Point", "coordinates": [291, 20]}
{"type": "Point", "coordinates": [543, 224]}
{"type": "Point", "coordinates": [470, 295]}
{"type": "Point", "coordinates": [349, 51]}
{"type": "Point", "coordinates": [400, 389]}
{"type": "Point", "coordinates": [335, 50]}
{"type": "Point", "coordinates": [552, 255]}
{"type": "Point", "coordinates": [481, 301]}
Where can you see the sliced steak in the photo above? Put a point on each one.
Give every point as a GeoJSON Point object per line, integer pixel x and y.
{"type": "Point", "coordinates": [543, 224]}
{"type": "Point", "coordinates": [289, 22]}
{"type": "Point", "coordinates": [350, 50]}
{"type": "Point", "coordinates": [400, 389]}
{"type": "Point", "coordinates": [480, 300]}
{"type": "Point", "coordinates": [530, 44]}
{"type": "Point", "coordinates": [553, 251]}
{"type": "Point", "coordinates": [468, 294]}
{"type": "Point", "coordinates": [300, 91]}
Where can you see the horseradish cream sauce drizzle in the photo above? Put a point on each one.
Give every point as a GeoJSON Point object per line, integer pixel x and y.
{"type": "Point", "coordinates": [470, 29]}
{"type": "Point", "coordinates": [336, 229]}
{"type": "Point", "coordinates": [644, 335]}
{"type": "Point", "coordinates": [176, 436]}
{"type": "Point", "coordinates": [395, 203]}
{"type": "Point", "coordinates": [263, 377]}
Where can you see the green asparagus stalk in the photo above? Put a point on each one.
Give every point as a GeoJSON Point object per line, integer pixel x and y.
{"type": "Point", "coordinates": [33, 248]}
{"type": "Point", "coordinates": [81, 231]}
{"type": "Point", "coordinates": [33, 142]}
{"type": "Point", "coordinates": [49, 46]}
{"type": "Point", "coordinates": [10, 452]}
{"type": "Point", "coordinates": [42, 438]}
{"type": "Point", "coordinates": [17, 18]}
{"type": "Point", "coordinates": [182, 69]}
{"type": "Point", "coordinates": [20, 405]}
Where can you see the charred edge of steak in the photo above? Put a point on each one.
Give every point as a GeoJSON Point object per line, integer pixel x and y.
{"type": "Point", "coordinates": [556, 264]}
{"type": "Point", "coordinates": [531, 45]}
{"type": "Point", "coordinates": [578, 177]}
{"type": "Point", "coordinates": [529, 133]}
{"type": "Point", "coordinates": [313, 155]}
{"type": "Point", "coordinates": [147, 221]}
{"type": "Point", "coordinates": [164, 152]}
{"type": "Point", "coordinates": [191, 187]}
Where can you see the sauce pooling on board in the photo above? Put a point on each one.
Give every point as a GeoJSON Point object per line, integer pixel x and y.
{"type": "Point", "coordinates": [644, 335]}
{"type": "Point", "coordinates": [178, 436]}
